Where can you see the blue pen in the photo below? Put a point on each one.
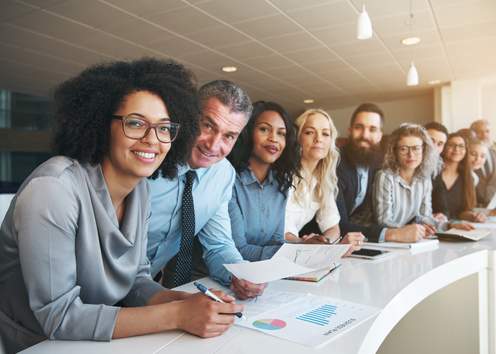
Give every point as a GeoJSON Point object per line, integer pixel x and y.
{"type": "Point", "coordinates": [214, 297]}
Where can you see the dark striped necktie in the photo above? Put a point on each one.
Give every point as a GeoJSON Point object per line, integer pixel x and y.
{"type": "Point", "coordinates": [182, 263]}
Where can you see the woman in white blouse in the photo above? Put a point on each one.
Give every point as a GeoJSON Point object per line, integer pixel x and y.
{"type": "Point", "coordinates": [315, 189]}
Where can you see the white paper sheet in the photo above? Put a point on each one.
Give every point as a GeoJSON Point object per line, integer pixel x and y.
{"type": "Point", "coordinates": [290, 260]}
{"type": "Point", "coordinates": [269, 300]}
{"type": "Point", "coordinates": [312, 256]}
{"type": "Point", "coordinates": [266, 271]}
{"type": "Point", "coordinates": [310, 320]}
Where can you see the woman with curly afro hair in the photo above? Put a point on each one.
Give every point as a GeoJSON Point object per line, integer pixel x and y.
{"type": "Point", "coordinates": [73, 259]}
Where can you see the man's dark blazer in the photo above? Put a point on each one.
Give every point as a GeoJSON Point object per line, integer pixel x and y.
{"type": "Point", "coordinates": [348, 188]}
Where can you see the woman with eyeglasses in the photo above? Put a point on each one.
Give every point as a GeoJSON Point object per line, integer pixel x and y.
{"type": "Point", "coordinates": [402, 189]}
{"type": "Point", "coordinates": [73, 260]}
{"type": "Point", "coordinates": [454, 190]}
{"type": "Point", "coordinates": [265, 158]}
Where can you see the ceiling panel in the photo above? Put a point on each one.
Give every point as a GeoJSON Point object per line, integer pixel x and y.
{"type": "Point", "coordinates": [218, 36]}
{"type": "Point", "coordinates": [178, 47]}
{"type": "Point", "coordinates": [398, 24]}
{"type": "Point", "coordinates": [11, 10]}
{"type": "Point", "coordinates": [335, 13]}
{"type": "Point", "coordinates": [245, 50]}
{"type": "Point", "coordinates": [147, 8]}
{"type": "Point", "coordinates": [45, 44]}
{"type": "Point", "coordinates": [313, 55]}
{"type": "Point", "coordinates": [467, 13]}
{"type": "Point", "coordinates": [94, 13]}
{"type": "Point", "coordinates": [291, 42]}
{"type": "Point", "coordinates": [333, 35]}
{"type": "Point", "coordinates": [270, 26]}
{"type": "Point", "coordinates": [469, 32]}
{"type": "Point", "coordinates": [235, 10]}
{"type": "Point", "coordinates": [140, 31]}
{"type": "Point", "coordinates": [184, 20]}
{"type": "Point", "coordinates": [355, 48]}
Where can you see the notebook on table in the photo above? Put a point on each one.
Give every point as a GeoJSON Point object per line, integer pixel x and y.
{"type": "Point", "coordinates": [422, 244]}
{"type": "Point", "coordinates": [463, 235]}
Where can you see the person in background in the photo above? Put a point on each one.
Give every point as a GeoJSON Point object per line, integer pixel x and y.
{"type": "Point", "coordinates": [73, 262]}
{"type": "Point", "coordinates": [360, 160]}
{"type": "Point", "coordinates": [439, 135]}
{"type": "Point", "coordinates": [194, 205]}
{"type": "Point", "coordinates": [477, 154]}
{"type": "Point", "coordinates": [486, 188]}
{"type": "Point", "coordinates": [403, 188]}
{"type": "Point", "coordinates": [316, 184]}
{"type": "Point", "coordinates": [265, 158]}
{"type": "Point", "coordinates": [454, 192]}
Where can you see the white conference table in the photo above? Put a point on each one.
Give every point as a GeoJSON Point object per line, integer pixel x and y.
{"type": "Point", "coordinates": [395, 284]}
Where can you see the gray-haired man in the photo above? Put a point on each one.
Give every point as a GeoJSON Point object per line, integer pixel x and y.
{"type": "Point", "coordinates": [195, 204]}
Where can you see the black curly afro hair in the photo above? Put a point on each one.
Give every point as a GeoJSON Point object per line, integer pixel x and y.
{"type": "Point", "coordinates": [85, 105]}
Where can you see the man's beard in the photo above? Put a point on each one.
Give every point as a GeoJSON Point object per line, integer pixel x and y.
{"type": "Point", "coordinates": [363, 156]}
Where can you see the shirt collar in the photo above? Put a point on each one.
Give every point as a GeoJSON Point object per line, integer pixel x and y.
{"type": "Point", "coordinates": [248, 177]}
{"type": "Point", "coordinates": [200, 172]}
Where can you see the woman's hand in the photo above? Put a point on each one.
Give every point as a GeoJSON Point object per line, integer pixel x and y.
{"type": "Point", "coordinates": [201, 316]}
{"type": "Point", "coordinates": [355, 239]}
{"type": "Point", "coordinates": [314, 239]}
{"type": "Point", "coordinates": [478, 217]}
{"type": "Point", "coordinates": [462, 226]}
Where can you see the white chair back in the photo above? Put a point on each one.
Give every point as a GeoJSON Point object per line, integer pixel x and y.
{"type": "Point", "coordinates": [5, 200]}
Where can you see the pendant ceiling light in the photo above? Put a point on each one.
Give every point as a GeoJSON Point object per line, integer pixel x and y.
{"type": "Point", "coordinates": [364, 25]}
{"type": "Point", "coordinates": [412, 79]}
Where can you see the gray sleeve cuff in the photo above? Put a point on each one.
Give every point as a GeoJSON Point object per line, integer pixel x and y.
{"type": "Point", "coordinates": [143, 289]}
{"type": "Point", "coordinates": [105, 324]}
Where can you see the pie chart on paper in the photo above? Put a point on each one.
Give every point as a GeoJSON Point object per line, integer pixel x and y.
{"type": "Point", "coordinates": [270, 324]}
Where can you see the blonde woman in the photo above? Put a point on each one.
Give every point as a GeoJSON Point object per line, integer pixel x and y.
{"type": "Point", "coordinates": [403, 188]}
{"type": "Point", "coordinates": [315, 189]}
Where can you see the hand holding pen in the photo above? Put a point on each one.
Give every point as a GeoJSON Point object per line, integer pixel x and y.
{"type": "Point", "coordinates": [199, 315]}
{"type": "Point", "coordinates": [214, 297]}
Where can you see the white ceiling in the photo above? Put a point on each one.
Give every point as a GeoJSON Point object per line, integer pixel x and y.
{"type": "Point", "coordinates": [285, 50]}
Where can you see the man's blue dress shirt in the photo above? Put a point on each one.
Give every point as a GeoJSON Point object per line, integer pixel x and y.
{"type": "Point", "coordinates": [212, 190]}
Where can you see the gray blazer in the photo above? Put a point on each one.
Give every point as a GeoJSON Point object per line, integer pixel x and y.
{"type": "Point", "coordinates": [65, 263]}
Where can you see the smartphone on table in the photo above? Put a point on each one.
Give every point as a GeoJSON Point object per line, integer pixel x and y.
{"type": "Point", "coordinates": [368, 253]}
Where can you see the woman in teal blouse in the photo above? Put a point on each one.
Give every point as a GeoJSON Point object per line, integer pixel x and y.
{"type": "Point", "coordinates": [73, 243]}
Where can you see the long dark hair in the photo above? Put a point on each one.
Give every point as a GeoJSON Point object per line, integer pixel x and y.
{"type": "Point", "coordinates": [465, 173]}
{"type": "Point", "coordinates": [285, 167]}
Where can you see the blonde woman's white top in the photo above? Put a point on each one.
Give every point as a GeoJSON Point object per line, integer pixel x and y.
{"type": "Point", "coordinates": [299, 214]}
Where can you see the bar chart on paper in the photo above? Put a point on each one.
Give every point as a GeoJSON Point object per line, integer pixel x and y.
{"type": "Point", "coordinates": [310, 320]}
{"type": "Point", "coordinates": [319, 316]}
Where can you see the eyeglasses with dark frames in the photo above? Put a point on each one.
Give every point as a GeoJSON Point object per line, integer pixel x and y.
{"type": "Point", "coordinates": [405, 149]}
{"type": "Point", "coordinates": [136, 127]}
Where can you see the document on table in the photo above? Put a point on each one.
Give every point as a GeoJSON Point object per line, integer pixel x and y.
{"type": "Point", "coordinates": [472, 235]}
{"type": "Point", "coordinates": [312, 256]}
{"type": "Point", "coordinates": [290, 260]}
{"type": "Point", "coordinates": [422, 244]}
{"type": "Point", "coordinates": [266, 271]}
{"type": "Point", "coordinates": [269, 300]}
{"type": "Point", "coordinates": [309, 319]}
